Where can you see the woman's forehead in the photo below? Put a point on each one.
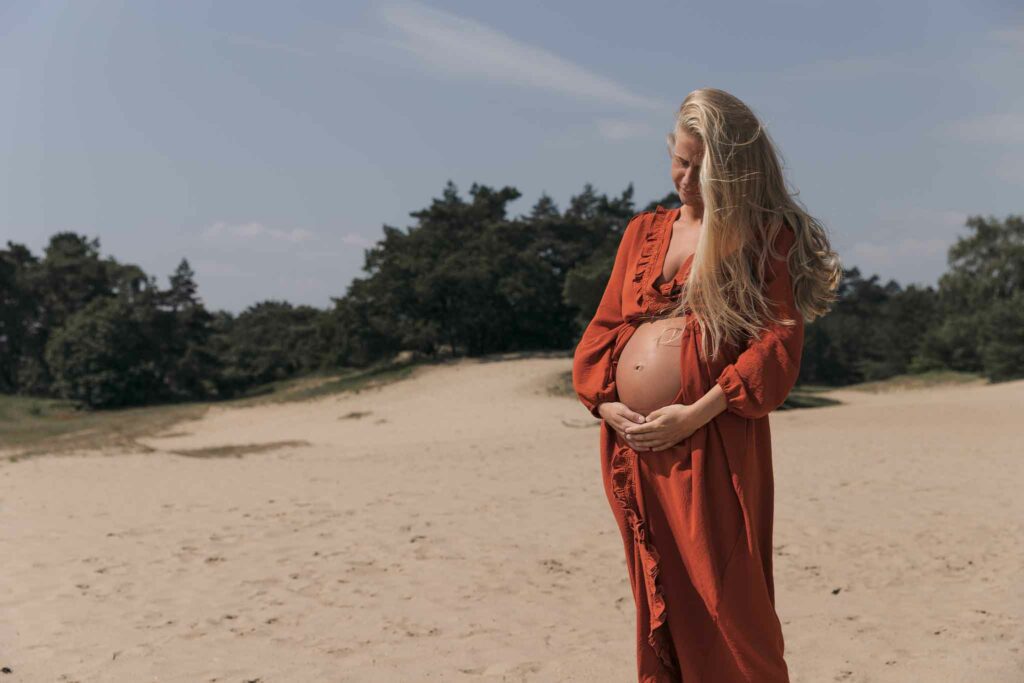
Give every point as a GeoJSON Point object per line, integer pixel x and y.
{"type": "Point", "coordinates": [687, 145]}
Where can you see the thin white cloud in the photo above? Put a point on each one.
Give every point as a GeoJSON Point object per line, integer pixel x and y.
{"type": "Point", "coordinates": [1001, 128]}
{"type": "Point", "coordinates": [901, 216]}
{"type": "Point", "coordinates": [256, 231]}
{"type": "Point", "coordinates": [852, 68]}
{"type": "Point", "coordinates": [302, 284]}
{"type": "Point", "coordinates": [262, 44]}
{"type": "Point", "coordinates": [905, 239]}
{"type": "Point", "coordinates": [1011, 169]}
{"type": "Point", "coordinates": [355, 240]}
{"type": "Point", "coordinates": [1013, 36]}
{"type": "Point", "coordinates": [464, 47]}
{"type": "Point", "coordinates": [205, 267]}
{"type": "Point", "coordinates": [895, 254]}
{"type": "Point", "coordinates": [618, 129]}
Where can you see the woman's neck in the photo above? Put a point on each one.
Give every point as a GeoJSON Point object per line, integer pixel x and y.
{"type": "Point", "coordinates": [691, 213]}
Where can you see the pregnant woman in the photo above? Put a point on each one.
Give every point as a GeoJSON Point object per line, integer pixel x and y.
{"type": "Point", "coordinates": [697, 338]}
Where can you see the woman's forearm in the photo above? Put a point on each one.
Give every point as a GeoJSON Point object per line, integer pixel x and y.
{"type": "Point", "coordinates": [711, 404]}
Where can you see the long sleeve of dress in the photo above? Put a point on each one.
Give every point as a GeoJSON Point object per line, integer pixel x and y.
{"type": "Point", "coordinates": [593, 376]}
{"type": "Point", "coordinates": [765, 372]}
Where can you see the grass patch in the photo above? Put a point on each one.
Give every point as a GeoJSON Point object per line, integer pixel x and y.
{"type": "Point", "coordinates": [807, 397]}
{"type": "Point", "coordinates": [33, 426]}
{"type": "Point", "coordinates": [353, 382]}
{"type": "Point", "coordinates": [356, 414]}
{"type": "Point", "coordinates": [36, 426]}
{"type": "Point", "coordinates": [320, 384]}
{"type": "Point", "coordinates": [238, 450]}
{"type": "Point", "coordinates": [924, 380]}
{"type": "Point", "coordinates": [561, 385]}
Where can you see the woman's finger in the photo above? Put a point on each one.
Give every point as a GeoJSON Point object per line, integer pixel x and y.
{"type": "Point", "coordinates": [645, 428]}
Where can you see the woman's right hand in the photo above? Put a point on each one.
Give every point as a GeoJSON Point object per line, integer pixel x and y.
{"type": "Point", "coordinates": [620, 416]}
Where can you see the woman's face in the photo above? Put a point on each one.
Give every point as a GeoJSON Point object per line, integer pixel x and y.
{"type": "Point", "coordinates": [686, 158]}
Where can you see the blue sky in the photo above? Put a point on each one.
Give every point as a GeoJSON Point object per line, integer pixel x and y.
{"type": "Point", "coordinates": [269, 143]}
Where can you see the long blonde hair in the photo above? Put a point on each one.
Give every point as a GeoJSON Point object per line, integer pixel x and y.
{"type": "Point", "coordinates": [746, 203]}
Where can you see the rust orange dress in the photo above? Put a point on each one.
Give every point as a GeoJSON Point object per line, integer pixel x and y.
{"type": "Point", "coordinates": [696, 518]}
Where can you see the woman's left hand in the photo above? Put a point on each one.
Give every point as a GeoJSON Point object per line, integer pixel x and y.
{"type": "Point", "coordinates": [665, 427]}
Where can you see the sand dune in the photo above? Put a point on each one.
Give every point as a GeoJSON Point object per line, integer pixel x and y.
{"type": "Point", "coordinates": [453, 527]}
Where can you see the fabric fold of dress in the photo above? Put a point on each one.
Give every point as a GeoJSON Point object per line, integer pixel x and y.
{"type": "Point", "coordinates": [623, 476]}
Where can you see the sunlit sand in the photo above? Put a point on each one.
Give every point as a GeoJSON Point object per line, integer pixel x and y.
{"type": "Point", "coordinates": [453, 526]}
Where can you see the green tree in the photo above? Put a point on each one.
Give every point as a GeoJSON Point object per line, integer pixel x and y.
{"type": "Point", "coordinates": [19, 313]}
{"type": "Point", "coordinates": [104, 357]}
{"type": "Point", "coordinates": [978, 327]}
{"type": "Point", "coordinates": [270, 340]}
{"type": "Point", "coordinates": [191, 365]}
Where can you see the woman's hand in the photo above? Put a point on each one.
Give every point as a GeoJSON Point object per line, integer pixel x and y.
{"type": "Point", "coordinates": [620, 416]}
{"type": "Point", "coordinates": [664, 427]}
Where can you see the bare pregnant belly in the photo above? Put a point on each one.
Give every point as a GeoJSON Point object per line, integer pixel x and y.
{"type": "Point", "coordinates": [647, 376]}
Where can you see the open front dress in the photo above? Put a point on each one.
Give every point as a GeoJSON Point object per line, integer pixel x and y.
{"type": "Point", "coordinates": [696, 518]}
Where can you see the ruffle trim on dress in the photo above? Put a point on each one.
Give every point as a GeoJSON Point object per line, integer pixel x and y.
{"type": "Point", "coordinates": [623, 468]}
{"type": "Point", "coordinates": [648, 254]}
{"type": "Point", "coordinates": [670, 290]}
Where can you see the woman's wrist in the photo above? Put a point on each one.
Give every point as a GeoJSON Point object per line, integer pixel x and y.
{"type": "Point", "coordinates": [711, 405]}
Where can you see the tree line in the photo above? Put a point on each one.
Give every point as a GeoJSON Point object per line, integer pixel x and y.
{"type": "Point", "coordinates": [466, 279]}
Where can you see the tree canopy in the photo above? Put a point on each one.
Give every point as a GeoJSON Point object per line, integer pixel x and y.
{"type": "Point", "coordinates": [465, 279]}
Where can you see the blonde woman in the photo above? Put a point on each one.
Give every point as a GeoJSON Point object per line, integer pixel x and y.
{"type": "Point", "coordinates": [696, 340]}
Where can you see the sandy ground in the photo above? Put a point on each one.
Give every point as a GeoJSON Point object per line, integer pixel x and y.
{"type": "Point", "coordinates": [458, 531]}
